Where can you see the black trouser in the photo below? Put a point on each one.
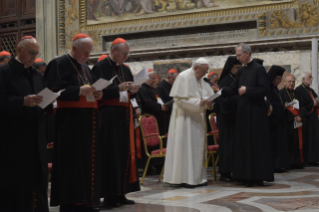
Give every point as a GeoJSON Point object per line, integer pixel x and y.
{"type": "Point", "coordinates": [25, 200]}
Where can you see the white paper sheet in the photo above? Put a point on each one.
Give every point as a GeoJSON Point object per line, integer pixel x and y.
{"type": "Point", "coordinates": [134, 103]}
{"type": "Point", "coordinates": [123, 96]}
{"type": "Point", "coordinates": [160, 101]}
{"type": "Point", "coordinates": [214, 96]}
{"type": "Point", "coordinates": [102, 83]}
{"type": "Point", "coordinates": [297, 124]}
{"type": "Point", "coordinates": [294, 103]}
{"type": "Point", "coordinates": [48, 97]}
{"type": "Point", "coordinates": [169, 102]}
{"type": "Point", "coordinates": [141, 77]}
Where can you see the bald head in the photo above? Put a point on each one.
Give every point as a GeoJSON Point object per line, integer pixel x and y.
{"type": "Point", "coordinates": [81, 49]}
{"type": "Point", "coordinates": [28, 51]}
{"type": "Point", "coordinates": [290, 82]}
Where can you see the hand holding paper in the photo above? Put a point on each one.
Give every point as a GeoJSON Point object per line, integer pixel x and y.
{"type": "Point", "coordinates": [48, 97]}
{"type": "Point", "coordinates": [294, 103]}
{"type": "Point", "coordinates": [102, 83]}
{"type": "Point", "coordinates": [214, 96]}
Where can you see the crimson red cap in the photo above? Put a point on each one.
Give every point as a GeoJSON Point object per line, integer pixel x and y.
{"type": "Point", "coordinates": [172, 71]}
{"type": "Point", "coordinates": [210, 74]}
{"type": "Point", "coordinates": [4, 53]}
{"type": "Point", "coordinates": [79, 36]}
{"type": "Point", "coordinates": [38, 60]}
{"type": "Point", "coordinates": [102, 57]}
{"type": "Point", "coordinates": [118, 41]}
{"type": "Point", "coordinates": [27, 37]}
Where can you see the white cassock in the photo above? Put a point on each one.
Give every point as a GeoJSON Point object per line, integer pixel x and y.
{"type": "Point", "coordinates": [186, 144]}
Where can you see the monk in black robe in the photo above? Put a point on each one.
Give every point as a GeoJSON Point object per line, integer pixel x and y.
{"type": "Point", "coordinates": [76, 170]}
{"type": "Point", "coordinates": [226, 119]}
{"type": "Point", "coordinates": [23, 153]}
{"type": "Point", "coordinates": [277, 122]}
{"type": "Point", "coordinates": [292, 115]}
{"type": "Point", "coordinates": [252, 154]}
{"type": "Point", "coordinates": [163, 90]}
{"type": "Point", "coordinates": [119, 161]}
{"type": "Point", "coordinates": [309, 114]}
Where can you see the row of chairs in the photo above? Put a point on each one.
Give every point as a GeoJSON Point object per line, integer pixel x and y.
{"type": "Point", "coordinates": [151, 137]}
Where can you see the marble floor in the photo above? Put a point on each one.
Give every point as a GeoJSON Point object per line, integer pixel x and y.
{"type": "Point", "coordinates": [296, 190]}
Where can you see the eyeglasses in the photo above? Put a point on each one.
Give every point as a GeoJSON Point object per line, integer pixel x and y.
{"type": "Point", "coordinates": [37, 54]}
{"type": "Point", "coordinates": [125, 54]}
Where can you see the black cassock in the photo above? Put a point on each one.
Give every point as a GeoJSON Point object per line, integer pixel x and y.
{"type": "Point", "coordinates": [310, 124]}
{"type": "Point", "coordinates": [293, 134]}
{"type": "Point", "coordinates": [252, 153]}
{"type": "Point", "coordinates": [226, 124]}
{"type": "Point", "coordinates": [23, 151]}
{"type": "Point", "coordinates": [117, 168]}
{"type": "Point", "coordinates": [278, 128]}
{"type": "Point", "coordinates": [163, 90]}
{"type": "Point", "coordinates": [76, 170]}
{"type": "Point", "coordinates": [147, 99]}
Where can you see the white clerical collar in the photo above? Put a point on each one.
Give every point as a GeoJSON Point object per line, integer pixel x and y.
{"type": "Point", "coordinates": [251, 59]}
{"type": "Point", "coordinates": [20, 62]}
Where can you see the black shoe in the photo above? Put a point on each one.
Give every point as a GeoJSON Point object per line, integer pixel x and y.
{"type": "Point", "coordinates": [313, 163]}
{"type": "Point", "coordinates": [225, 179]}
{"type": "Point", "coordinates": [278, 171]}
{"type": "Point", "coordinates": [125, 201]}
{"type": "Point", "coordinates": [297, 166]}
{"type": "Point", "coordinates": [249, 184]}
{"type": "Point", "coordinates": [239, 183]}
{"type": "Point", "coordinates": [68, 208]}
{"type": "Point", "coordinates": [185, 185]}
{"type": "Point", "coordinates": [258, 183]}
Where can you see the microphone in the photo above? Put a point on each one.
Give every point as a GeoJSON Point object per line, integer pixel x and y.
{"type": "Point", "coordinates": [207, 81]}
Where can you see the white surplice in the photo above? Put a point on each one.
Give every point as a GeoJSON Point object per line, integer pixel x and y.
{"type": "Point", "coordinates": [186, 144]}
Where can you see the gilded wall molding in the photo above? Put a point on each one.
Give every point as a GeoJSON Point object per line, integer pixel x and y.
{"type": "Point", "coordinates": [82, 9]}
{"type": "Point", "coordinates": [62, 27]}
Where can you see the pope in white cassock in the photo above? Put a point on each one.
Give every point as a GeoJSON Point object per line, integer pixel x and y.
{"type": "Point", "coordinates": [186, 144]}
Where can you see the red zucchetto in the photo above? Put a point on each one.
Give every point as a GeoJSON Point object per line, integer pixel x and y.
{"type": "Point", "coordinates": [28, 37]}
{"type": "Point", "coordinates": [102, 57]}
{"type": "Point", "coordinates": [118, 41]}
{"type": "Point", "coordinates": [210, 74]}
{"type": "Point", "coordinates": [150, 71]}
{"type": "Point", "coordinates": [4, 53]}
{"type": "Point", "coordinates": [79, 36]}
{"type": "Point", "coordinates": [172, 71]}
{"type": "Point", "coordinates": [38, 60]}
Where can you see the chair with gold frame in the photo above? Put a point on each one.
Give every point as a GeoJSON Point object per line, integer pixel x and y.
{"type": "Point", "coordinates": [151, 137]}
{"type": "Point", "coordinates": [213, 149]}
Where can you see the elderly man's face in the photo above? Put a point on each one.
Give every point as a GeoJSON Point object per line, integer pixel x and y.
{"type": "Point", "coordinates": [5, 61]}
{"type": "Point", "coordinates": [307, 80]}
{"type": "Point", "coordinates": [28, 52]}
{"type": "Point", "coordinates": [82, 54]}
{"type": "Point", "coordinates": [243, 57]}
{"type": "Point", "coordinates": [276, 80]}
{"type": "Point", "coordinates": [290, 82]}
{"type": "Point", "coordinates": [152, 80]}
{"type": "Point", "coordinates": [171, 79]}
{"type": "Point", "coordinates": [214, 79]}
{"type": "Point", "coordinates": [235, 69]}
{"type": "Point", "coordinates": [41, 70]}
{"type": "Point", "coordinates": [200, 71]}
{"type": "Point", "coordinates": [121, 54]}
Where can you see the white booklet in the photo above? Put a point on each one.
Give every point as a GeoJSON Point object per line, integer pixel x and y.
{"type": "Point", "coordinates": [141, 77]}
{"type": "Point", "coordinates": [294, 103]}
{"type": "Point", "coordinates": [317, 98]}
{"type": "Point", "coordinates": [102, 83]}
{"type": "Point", "coordinates": [214, 96]}
{"type": "Point", "coordinates": [48, 97]}
{"type": "Point", "coordinates": [297, 124]}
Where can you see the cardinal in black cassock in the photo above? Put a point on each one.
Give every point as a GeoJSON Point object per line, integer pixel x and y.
{"type": "Point", "coordinates": [226, 119]}
{"type": "Point", "coordinates": [252, 153]}
{"type": "Point", "coordinates": [309, 114]}
{"type": "Point", "coordinates": [151, 103]}
{"type": "Point", "coordinates": [291, 114]}
{"type": "Point", "coordinates": [119, 160]}
{"type": "Point", "coordinates": [76, 162]}
{"type": "Point", "coordinates": [163, 90]}
{"type": "Point", "coordinates": [23, 146]}
{"type": "Point", "coordinates": [277, 122]}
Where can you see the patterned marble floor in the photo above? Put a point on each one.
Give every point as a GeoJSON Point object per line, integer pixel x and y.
{"type": "Point", "coordinates": [297, 191]}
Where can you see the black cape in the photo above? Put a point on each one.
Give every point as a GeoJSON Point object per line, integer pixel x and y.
{"type": "Point", "coordinates": [23, 146]}
{"type": "Point", "coordinates": [293, 135]}
{"type": "Point", "coordinates": [226, 119]}
{"type": "Point", "coordinates": [115, 134]}
{"type": "Point", "coordinates": [277, 123]}
{"type": "Point", "coordinates": [76, 170]}
{"type": "Point", "coordinates": [252, 153]}
{"type": "Point", "coordinates": [163, 90]}
{"type": "Point", "coordinates": [310, 123]}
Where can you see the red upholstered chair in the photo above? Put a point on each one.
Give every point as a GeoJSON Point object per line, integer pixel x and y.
{"type": "Point", "coordinates": [50, 146]}
{"type": "Point", "coordinates": [151, 137]}
{"type": "Point", "coordinates": [213, 149]}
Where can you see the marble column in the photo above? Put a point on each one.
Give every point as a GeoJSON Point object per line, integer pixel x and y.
{"type": "Point", "coordinates": [47, 29]}
{"type": "Point", "coordinates": [314, 42]}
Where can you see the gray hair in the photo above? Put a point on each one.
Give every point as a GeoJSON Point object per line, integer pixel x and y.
{"type": "Point", "coordinates": [117, 46]}
{"type": "Point", "coordinates": [244, 47]}
{"type": "Point", "coordinates": [212, 76]}
{"type": "Point", "coordinates": [304, 75]}
{"type": "Point", "coordinates": [78, 43]}
{"type": "Point", "coordinates": [4, 57]}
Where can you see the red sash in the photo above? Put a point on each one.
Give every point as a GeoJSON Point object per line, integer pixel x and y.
{"type": "Point", "coordinates": [116, 102]}
{"type": "Point", "coordinates": [82, 103]}
{"type": "Point", "coordinates": [313, 98]}
{"type": "Point", "coordinates": [296, 113]}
